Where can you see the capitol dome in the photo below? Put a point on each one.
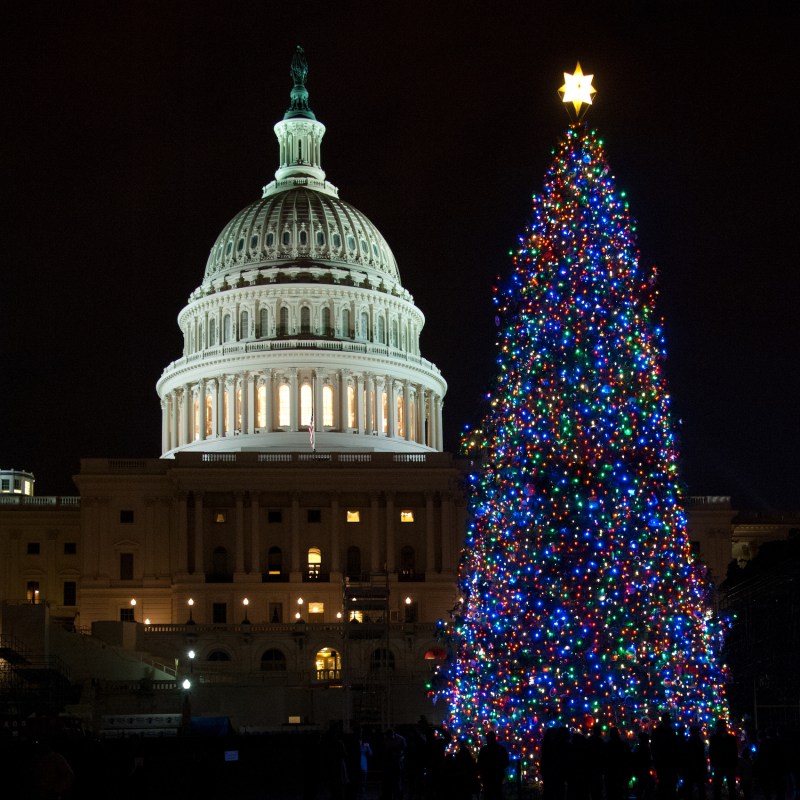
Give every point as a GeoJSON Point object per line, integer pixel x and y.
{"type": "Point", "coordinates": [301, 335]}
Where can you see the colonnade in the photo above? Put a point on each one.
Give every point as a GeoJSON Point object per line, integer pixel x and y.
{"type": "Point", "coordinates": [274, 400]}
{"type": "Point", "coordinates": [439, 539]}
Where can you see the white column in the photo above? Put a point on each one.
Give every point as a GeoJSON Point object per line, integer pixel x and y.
{"type": "Point", "coordinates": [219, 406]}
{"type": "Point", "coordinates": [248, 405]}
{"type": "Point", "coordinates": [439, 441]}
{"type": "Point", "coordinates": [294, 400]}
{"type": "Point", "coordinates": [174, 437]}
{"type": "Point", "coordinates": [230, 385]}
{"type": "Point", "coordinates": [316, 387]}
{"type": "Point", "coordinates": [188, 417]}
{"type": "Point", "coordinates": [391, 402]}
{"type": "Point", "coordinates": [379, 420]}
{"type": "Point", "coordinates": [409, 434]}
{"type": "Point", "coordinates": [344, 416]}
{"type": "Point", "coordinates": [164, 426]}
{"type": "Point", "coordinates": [361, 405]}
{"type": "Point", "coordinates": [201, 408]}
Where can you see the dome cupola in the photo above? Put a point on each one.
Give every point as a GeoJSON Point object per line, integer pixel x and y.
{"type": "Point", "coordinates": [301, 335]}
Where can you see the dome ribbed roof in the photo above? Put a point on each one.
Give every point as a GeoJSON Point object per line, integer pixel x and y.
{"type": "Point", "coordinates": [296, 225]}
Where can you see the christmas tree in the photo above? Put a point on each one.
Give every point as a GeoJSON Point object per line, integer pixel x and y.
{"type": "Point", "coordinates": [581, 602]}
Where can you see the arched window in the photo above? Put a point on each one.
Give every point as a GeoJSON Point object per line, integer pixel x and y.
{"type": "Point", "coordinates": [407, 561]}
{"type": "Point", "coordinates": [273, 661]}
{"type": "Point", "coordinates": [381, 330]}
{"type": "Point", "coordinates": [212, 332]}
{"type": "Point", "coordinates": [244, 325]}
{"type": "Point", "coordinates": [306, 404]}
{"type": "Point", "coordinates": [263, 323]}
{"type": "Point", "coordinates": [261, 406]}
{"type": "Point", "coordinates": [347, 329]}
{"type": "Point", "coordinates": [274, 561]}
{"type": "Point", "coordinates": [283, 322]}
{"type": "Point", "coordinates": [364, 325]}
{"type": "Point", "coordinates": [326, 322]}
{"type": "Point", "coordinates": [353, 568]}
{"type": "Point", "coordinates": [284, 413]}
{"type": "Point", "coordinates": [218, 655]}
{"type": "Point", "coordinates": [329, 664]}
{"type": "Point", "coordinates": [381, 659]}
{"type": "Point", "coordinates": [327, 406]}
{"type": "Point", "coordinates": [305, 319]}
{"type": "Point", "coordinates": [351, 406]}
{"type": "Point", "coordinates": [314, 563]}
{"type": "Point", "coordinates": [227, 332]}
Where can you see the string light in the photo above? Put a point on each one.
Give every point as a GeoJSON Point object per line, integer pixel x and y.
{"type": "Point", "coordinates": [581, 602]}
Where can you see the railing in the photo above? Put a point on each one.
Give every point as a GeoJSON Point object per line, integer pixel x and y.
{"type": "Point", "coordinates": [38, 500]}
{"type": "Point", "coordinates": [199, 628]}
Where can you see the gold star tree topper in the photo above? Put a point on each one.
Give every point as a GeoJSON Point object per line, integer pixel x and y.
{"type": "Point", "coordinates": [577, 89]}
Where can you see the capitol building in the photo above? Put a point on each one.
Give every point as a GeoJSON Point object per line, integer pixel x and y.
{"type": "Point", "coordinates": [287, 559]}
{"type": "Point", "coordinates": [289, 554]}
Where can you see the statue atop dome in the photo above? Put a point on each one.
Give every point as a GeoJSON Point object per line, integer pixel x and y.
{"type": "Point", "coordinates": [299, 68]}
{"type": "Point", "coordinates": [299, 94]}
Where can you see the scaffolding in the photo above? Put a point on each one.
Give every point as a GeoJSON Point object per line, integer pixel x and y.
{"type": "Point", "coordinates": [368, 661]}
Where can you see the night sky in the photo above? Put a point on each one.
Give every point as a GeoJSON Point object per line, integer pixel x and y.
{"type": "Point", "coordinates": [134, 131]}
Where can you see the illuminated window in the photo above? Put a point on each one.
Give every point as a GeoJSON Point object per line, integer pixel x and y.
{"type": "Point", "coordinates": [219, 516]}
{"type": "Point", "coordinates": [356, 616]}
{"type": "Point", "coordinates": [261, 406]}
{"type": "Point", "coordinates": [238, 411]}
{"type": "Point", "coordinates": [406, 516]}
{"type": "Point", "coordinates": [284, 416]}
{"type": "Point", "coordinates": [209, 414]}
{"type": "Point", "coordinates": [401, 427]}
{"type": "Point", "coordinates": [354, 516]}
{"type": "Point", "coordinates": [306, 404]}
{"type": "Point", "coordinates": [316, 612]}
{"type": "Point", "coordinates": [32, 592]}
{"type": "Point", "coordinates": [314, 563]}
{"type": "Point", "coordinates": [351, 406]}
{"type": "Point", "coordinates": [329, 664]}
{"type": "Point", "coordinates": [327, 406]}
